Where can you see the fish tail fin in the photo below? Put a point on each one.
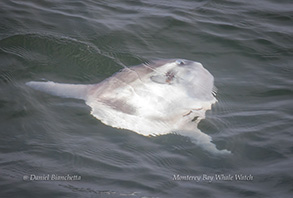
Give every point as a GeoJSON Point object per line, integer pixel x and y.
{"type": "Point", "coordinates": [59, 89]}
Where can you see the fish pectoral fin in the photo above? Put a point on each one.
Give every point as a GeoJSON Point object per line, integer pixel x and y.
{"type": "Point", "coordinates": [161, 79]}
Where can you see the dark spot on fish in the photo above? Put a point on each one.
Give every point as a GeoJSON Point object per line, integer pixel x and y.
{"type": "Point", "coordinates": [170, 76]}
{"type": "Point", "coordinates": [194, 119]}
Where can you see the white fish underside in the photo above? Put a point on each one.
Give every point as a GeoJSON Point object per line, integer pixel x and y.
{"type": "Point", "coordinates": [168, 96]}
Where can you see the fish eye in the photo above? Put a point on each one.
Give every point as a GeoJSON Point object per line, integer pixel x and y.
{"type": "Point", "coordinates": [180, 62]}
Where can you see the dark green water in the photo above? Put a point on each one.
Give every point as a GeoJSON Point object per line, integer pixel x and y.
{"type": "Point", "coordinates": [246, 45]}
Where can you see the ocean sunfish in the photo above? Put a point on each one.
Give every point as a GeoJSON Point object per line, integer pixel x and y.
{"type": "Point", "coordinates": [165, 96]}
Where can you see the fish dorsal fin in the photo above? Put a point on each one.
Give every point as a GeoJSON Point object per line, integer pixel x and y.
{"type": "Point", "coordinates": [76, 91]}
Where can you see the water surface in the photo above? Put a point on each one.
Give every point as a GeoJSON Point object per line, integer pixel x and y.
{"type": "Point", "coordinates": [246, 45]}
